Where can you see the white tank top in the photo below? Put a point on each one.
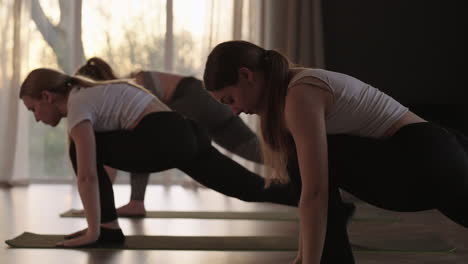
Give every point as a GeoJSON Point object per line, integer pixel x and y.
{"type": "Point", "coordinates": [358, 108]}
{"type": "Point", "coordinates": [108, 107]}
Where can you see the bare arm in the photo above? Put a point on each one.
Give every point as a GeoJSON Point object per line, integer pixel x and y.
{"type": "Point", "coordinates": [305, 119]}
{"type": "Point", "coordinates": [87, 181]}
{"type": "Point", "coordinates": [298, 259]}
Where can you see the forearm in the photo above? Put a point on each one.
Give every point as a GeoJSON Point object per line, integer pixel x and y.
{"type": "Point", "coordinates": [89, 194]}
{"type": "Point", "coordinates": [313, 213]}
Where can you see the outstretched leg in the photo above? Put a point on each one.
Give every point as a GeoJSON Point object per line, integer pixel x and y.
{"type": "Point", "coordinates": [222, 174]}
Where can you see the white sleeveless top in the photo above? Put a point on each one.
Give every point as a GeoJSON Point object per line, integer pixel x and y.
{"type": "Point", "coordinates": [108, 107]}
{"type": "Point", "coordinates": [358, 108]}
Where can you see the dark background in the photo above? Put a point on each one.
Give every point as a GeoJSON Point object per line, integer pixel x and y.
{"type": "Point", "coordinates": [412, 50]}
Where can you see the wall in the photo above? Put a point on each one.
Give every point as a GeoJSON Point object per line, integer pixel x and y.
{"type": "Point", "coordinates": [411, 49]}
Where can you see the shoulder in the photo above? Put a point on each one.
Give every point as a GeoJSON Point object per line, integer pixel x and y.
{"type": "Point", "coordinates": [305, 109]}
{"type": "Point", "coordinates": [310, 76]}
{"type": "Point", "coordinates": [304, 97]}
{"type": "Point", "coordinates": [80, 101]}
{"type": "Point", "coordinates": [76, 96]}
{"type": "Point", "coordinates": [139, 75]}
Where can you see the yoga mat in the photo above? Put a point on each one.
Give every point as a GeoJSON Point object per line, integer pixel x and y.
{"type": "Point", "coordinates": [404, 243]}
{"type": "Point", "coordinates": [272, 216]}
{"type": "Point", "coordinates": [281, 216]}
{"type": "Point", "coordinates": [31, 240]}
{"type": "Point", "coordinates": [430, 244]}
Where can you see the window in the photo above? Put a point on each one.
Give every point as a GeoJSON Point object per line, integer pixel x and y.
{"type": "Point", "coordinates": [161, 35]}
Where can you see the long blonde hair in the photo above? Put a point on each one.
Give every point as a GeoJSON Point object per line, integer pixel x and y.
{"type": "Point", "coordinates": [44, 79]}
{"type": "Point", "coordinates": [221, 70]}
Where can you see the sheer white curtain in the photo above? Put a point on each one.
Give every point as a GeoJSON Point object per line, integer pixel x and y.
{"type": "Point", "coordinates": [242, 22]}
{"type": "Point", "coordinates": [166, 35]}
{"type": "Point", "coordinates": [13, 128]}
{"type": "Point", "coordinates": [295, 28]}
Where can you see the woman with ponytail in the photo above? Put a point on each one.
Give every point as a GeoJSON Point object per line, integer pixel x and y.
{"type": "Point", "coordinates": [324, 130]}
{"type": "Point", "coordinates": [186, 96]}
{"type": "Point", "coordinates": [123, 126]}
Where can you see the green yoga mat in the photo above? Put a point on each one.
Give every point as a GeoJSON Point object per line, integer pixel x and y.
{"type": "Point", "coordinates": [251, 243]}
{"type": "Point", "coordinates": [271, 216]}
{"type": "Point", "coordinates": [281, 216]}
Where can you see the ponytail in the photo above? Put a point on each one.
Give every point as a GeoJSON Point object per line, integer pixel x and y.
{"type": "Point", "coordinates": [97, 69]}
{"type": "Point", "coordinates": [221, 70]}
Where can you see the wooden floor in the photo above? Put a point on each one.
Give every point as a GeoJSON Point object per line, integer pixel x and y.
{"type": "Point", "coordinates": [36, 209]}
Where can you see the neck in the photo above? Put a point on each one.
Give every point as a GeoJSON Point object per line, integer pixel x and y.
{"type": "Point", "coordinates": [62, 105]}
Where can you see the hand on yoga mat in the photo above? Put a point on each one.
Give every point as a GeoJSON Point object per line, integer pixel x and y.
{"type": "Point", "coordinates": [80, 240]}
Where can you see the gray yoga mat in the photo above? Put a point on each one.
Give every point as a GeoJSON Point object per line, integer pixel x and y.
{"type": "Point", "coordinates": [272, 216]}
{"type": "Point", "coordinates": [428, 244]}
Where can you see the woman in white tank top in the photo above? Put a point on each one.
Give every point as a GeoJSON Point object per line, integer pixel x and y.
{"type": "Point", "coordinates": [123, 126]}
{"type": "Point", "coordinates": [186, 96]}
{"type": "Point", "coordinates": [325, 130]}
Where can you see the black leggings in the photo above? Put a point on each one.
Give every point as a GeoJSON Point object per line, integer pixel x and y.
{"type": "Point", "coordinates": [423, 166]}
{"type": "Point", "coordinates": [166, 140]}
{"type": "Point", "coordinates": [191, 100]}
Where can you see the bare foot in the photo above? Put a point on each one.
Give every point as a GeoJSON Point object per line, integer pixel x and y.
{"type": "Point", "coordinates": [132, 209]}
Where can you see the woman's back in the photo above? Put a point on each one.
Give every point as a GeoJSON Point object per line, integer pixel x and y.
{"type": "Point", "coordinates": [109, 107]}
{"type": "Point", "coordinates": [357, 108]}
{"type": "Point", "coordinates": [161, 84]}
